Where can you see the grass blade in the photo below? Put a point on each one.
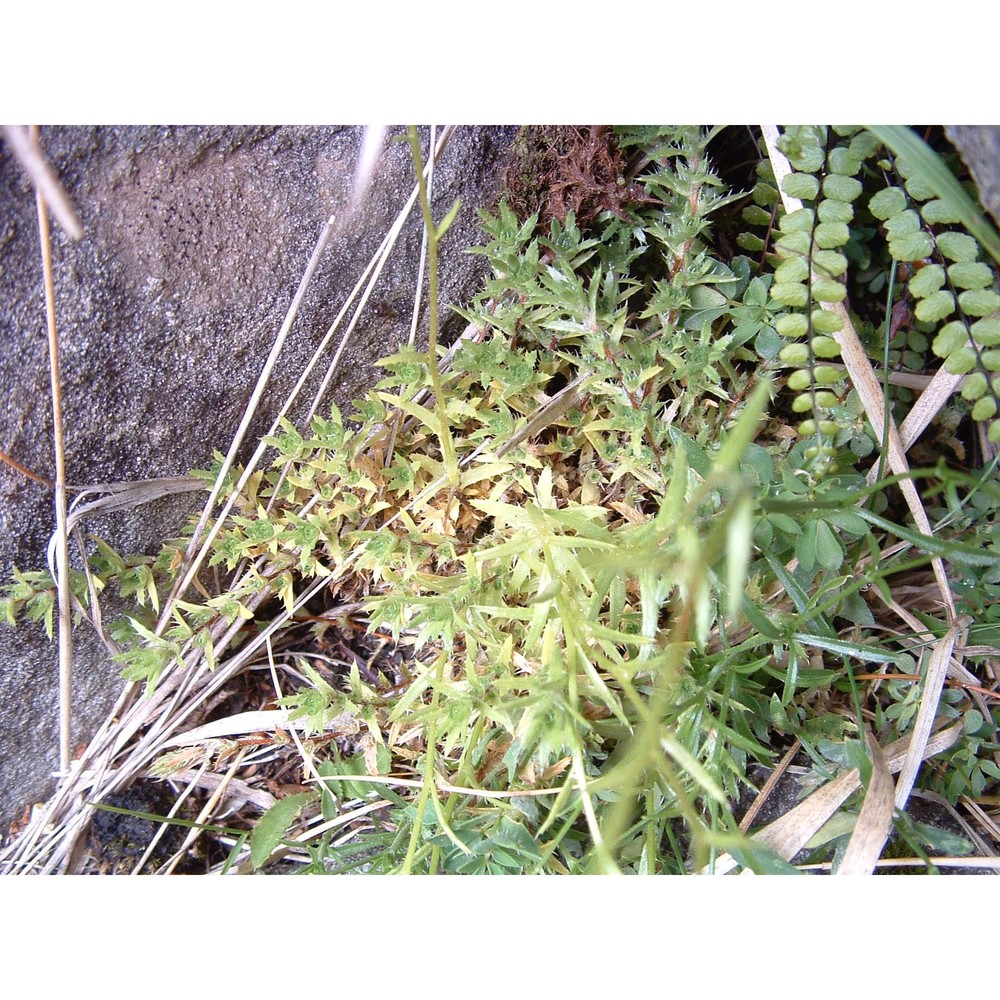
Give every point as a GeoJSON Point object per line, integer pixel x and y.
{"type": "Point", "coordinates": [903, 141]}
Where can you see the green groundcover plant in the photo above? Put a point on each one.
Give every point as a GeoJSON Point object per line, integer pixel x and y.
{"type": "Point", "coordinates": [634, 536]}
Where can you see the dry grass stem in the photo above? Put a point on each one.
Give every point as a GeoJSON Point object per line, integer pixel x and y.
{"type": "Point", "coordinates": [62, 531]}
{"type": "Point", "coordinates": [874, 821]}
{"type": "Point", "coordinates": [918, 864]}
{"type": "Point", "coordinates": [205, 815]}
{"type": "Point", "coordinates": [23, 143]}
{"type": "Point", "coordinates": [194, 561]}
{"type": "Point", "coordinates": [769, 786]}
{"type": "Point", "coordinates": [789, 834]}
{"type": "Point", "coordinates": [930, 697]}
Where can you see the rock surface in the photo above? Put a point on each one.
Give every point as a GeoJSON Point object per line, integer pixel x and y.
{"type": "Point", "coordinates": [195, 242]}
{"type": "Point", "coordinates": [979, 147]}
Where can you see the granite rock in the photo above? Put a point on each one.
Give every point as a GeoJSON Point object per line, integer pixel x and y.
{"type": "Point", "coordinates": [195, 241]}
{"type": "Point", "coordinates": [979, 147]}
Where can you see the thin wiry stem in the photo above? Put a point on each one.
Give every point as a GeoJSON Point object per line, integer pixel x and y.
{"type": "Point", "coordinates": [62, 533]}
{"type": "Point", "coordinates": [194, 561]}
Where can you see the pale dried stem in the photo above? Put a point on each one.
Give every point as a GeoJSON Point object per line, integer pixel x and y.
{"type": "Point", "coordinates": [789, 834]}
{"type": "Point", "coordinates": [193, 562]}
{"type": "Point", "coordinates": [874, 821]}
{"type": "Point", "coordinates": [24, 145]}
{"type": "Point", "coordinates": [769, 786]}
{"type": "Point", "coordinates": [206, 813]}
{"type": "Point", "coordinates": [62, 532]}
{"type": "Point", "coordinates": [934, 675]}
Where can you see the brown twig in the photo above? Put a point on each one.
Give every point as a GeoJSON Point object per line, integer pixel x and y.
{"type": "Point", "coordinates": [25, 471]}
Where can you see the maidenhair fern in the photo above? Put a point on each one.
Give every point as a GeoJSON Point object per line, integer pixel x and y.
{"type": "Point", "coordinates": [839, 174]}
{"type": "Point", "coordinates": [811, 275]}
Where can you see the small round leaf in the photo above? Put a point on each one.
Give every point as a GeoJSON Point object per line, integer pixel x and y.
{"type": "Point", "coordinates": [979, 302]}
{"type": "Point", "coordinates": [790, 294]}
{"type": "Point", "coordinates": [927, 281]}
{"type": "Point", "coordinates": [842, 163]}
{"type": "Point", "coordinates": [950, 338]}
{"type": "Point", "coordinates": [825, 347]}
{"type": "Point", "coordinates": [902, 224]}
{"type": "Point", "coordinates": [764, 195]}
{"type": "Point", "coordinates": [961, 362]}
{"type": "Point", "coordinates": [916, 246]}
{"type": "Point", "coordinates": [829, 235]}
{"type": "Point", "coordinates": [971, 275]}
{"type": "Point", "coordinates": [792, 325]}
{"type": "Point", "coordinates": [833, 262]}
{"type": "Point", "coordinates": [887, 203]}
{"type": "Point", "coordinates": [826, 321]}
{"type": "Point", "coordinates": [985, 409]}
{"type": "Point", "coordinates": [803, 186]}
{"type": "Point", "coordinates": [958, 247]}
{"type": "Point", "coordinates": [842, 188]}
{"type": "Point", "coordinates": [917, 188]}
{"type": "Point", "coordinates": [938, 213]}
{"type": "Point", "coordinates": [793, 244]}
{"type": "Point", "coordinates": [833, 210]}
{"type": "Point", "coordinates": [935, 307]}
{"type": "Point", "coordinates": [792, 269]}
{"type": "Point", "coordinates": [799, 221]}
{"type": "Point", "coordinates": [795, 355]}
{"type": "Point", "coordinates": [754, 215]}
{"type": "Point", "coordinates": [987, 332]}
{"type": "Point", "coordinates": [864, 145]}
{"type": "Point", "coordinates": [975, 386]}
{"type": "Point", "coordinates": [828, 290]}
{"type": "Point", "coordinates": [799, 381]}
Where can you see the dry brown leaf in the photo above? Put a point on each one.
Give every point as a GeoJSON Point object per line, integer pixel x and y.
{"type": "Point", "coordinates": [787, 835]}
{"type": "Point", "coordinates": [930, 696]}
{"type": "Point", "coordinates": [874, 820]}
{"type": "Point", "coordinates": [629, 512]}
